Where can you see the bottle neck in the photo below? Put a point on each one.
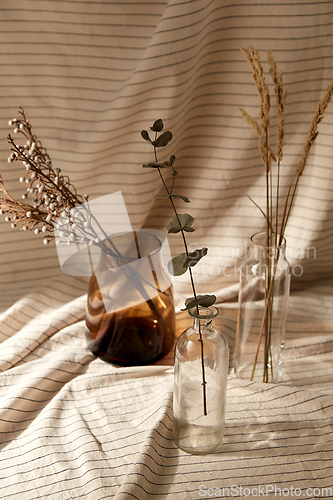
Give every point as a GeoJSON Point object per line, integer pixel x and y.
{"type": "Point", "coordinates": [203, 317]}
{"type": "Point", "coordinates": [261, 248]}
{"type": "Point", "coordinates": [202, 324]}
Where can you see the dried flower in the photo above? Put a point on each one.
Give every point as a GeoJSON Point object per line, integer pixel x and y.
{"type": "Point", "coordinates": [56, 204]}
{"type": "Point", "coordinates": [54, 196]}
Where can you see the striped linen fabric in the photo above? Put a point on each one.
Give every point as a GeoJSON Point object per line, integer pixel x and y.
{"type": "Point", "coordinates": [91, 75]}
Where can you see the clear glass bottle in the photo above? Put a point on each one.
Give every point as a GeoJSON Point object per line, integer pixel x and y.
{"type": "Point", "coordinates": [193, 431]}
{"type": "Point", "coordinates": [263, 300]}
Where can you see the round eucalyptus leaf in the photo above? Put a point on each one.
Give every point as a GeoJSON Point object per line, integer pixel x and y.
{"type": "Point", "coordinates": [172, 159]}
{"type": "Point", "coordinates": [174, 230]}
{"type": "Point", "coordinates": [176, 265]}
{"type": "Point", "coordinates": [161, 196]}
{"type": "Point", "coordinates": [180, 196]}
{"type": "Point", "coordinates": [163, 139]}
{"type": "Point", "coordinates": [194, 257]}
{"type": "Point", "coordinates": [178, 229]}
{"type": "Point", "coordinates": [145, 135]}
{"type": "Point", "coordinates": [201, 300]}
{"type": "Point", "coordinates": [153, 164]}
{"type": "Point", "coordinates": [157, 126]}
{"type": "Point", "coordinates": [186, 220]}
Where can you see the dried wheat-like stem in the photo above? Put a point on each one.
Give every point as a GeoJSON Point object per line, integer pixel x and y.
{"type": "Point", "coordinates": [280, 95]}
{"type": "Point", "coordinates": [256, 127]}
{"type": "Point", "coordinates": [312, 135]}
{"type": "Point", "coordinates": [313, 131]}
{"type": "Point", "coordinates": [266, 154]}
{"type": "Point", "coordinates": [253, 59]}
{"type": "Point", "coordinates": [253, 123]}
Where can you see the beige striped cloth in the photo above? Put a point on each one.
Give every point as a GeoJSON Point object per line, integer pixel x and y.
{"type": "Point", "coordinates": [91, 75]}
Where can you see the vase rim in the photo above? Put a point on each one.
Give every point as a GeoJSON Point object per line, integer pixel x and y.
{"type": "Point", "coordinates": [205, 313]}
{"type": "Point", "coordinates": [159, 237]}
{"type": "Point", "coordinates": [262, 245]}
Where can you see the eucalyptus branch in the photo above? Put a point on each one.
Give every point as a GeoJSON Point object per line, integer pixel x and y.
{"type": "Point", "coordinates": [180, 223]}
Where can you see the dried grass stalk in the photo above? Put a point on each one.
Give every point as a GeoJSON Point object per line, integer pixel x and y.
{"type": "Point", "coordinates": [280, 95]}
{"type": "Point", "coordinates": [313, 131]}
{"type": "Point", "coordinates": [266, 154]}
{"type": "Point", "coordinates": [262, 141]}
{"type": "Point", "coordinates": [256, 127]}
{"type": "Point", "coordinates": [253, 59]}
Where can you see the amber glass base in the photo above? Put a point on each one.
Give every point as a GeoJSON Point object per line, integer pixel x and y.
{"type": "Point", "coordinates": [138, 335]}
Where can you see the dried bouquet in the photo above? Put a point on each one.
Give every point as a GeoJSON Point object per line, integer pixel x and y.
{"type": "Point", "coordinates": [276, 213]}
{"type": "Point", "coordinates": [55, 204]}
{"type": "Point", "coordinates": [54, 196]}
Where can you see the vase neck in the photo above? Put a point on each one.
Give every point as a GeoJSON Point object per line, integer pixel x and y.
{"type": "Point", "coordinates": [203, 317]}
{"type": "Point", "coordinates": [263, 246]}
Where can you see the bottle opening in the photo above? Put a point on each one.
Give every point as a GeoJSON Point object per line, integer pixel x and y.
{"type": "Point", "coordinates": [204, 312]}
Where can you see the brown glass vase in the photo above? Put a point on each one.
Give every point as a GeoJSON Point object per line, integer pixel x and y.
{"type": "Point", "coordinates": [130, 314]}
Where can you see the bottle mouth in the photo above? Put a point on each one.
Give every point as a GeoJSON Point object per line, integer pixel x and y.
{"type": "Point", "coordinates": [260, 240]}
{"type": "Point", "coordinates": [205, 313]}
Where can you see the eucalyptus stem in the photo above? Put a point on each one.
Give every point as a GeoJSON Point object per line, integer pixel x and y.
{"type": "Point", "coordinates": [169, 192]}
{"type": "Point", "coordinates": [180, 223]}
{"type": "Point", "coordinates": [268, 238]}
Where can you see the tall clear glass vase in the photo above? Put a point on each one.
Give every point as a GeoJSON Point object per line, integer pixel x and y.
{"type": "Point", "coordinates": [194, 431]}
{"type": "Point", "coordinates": [263, 301]}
